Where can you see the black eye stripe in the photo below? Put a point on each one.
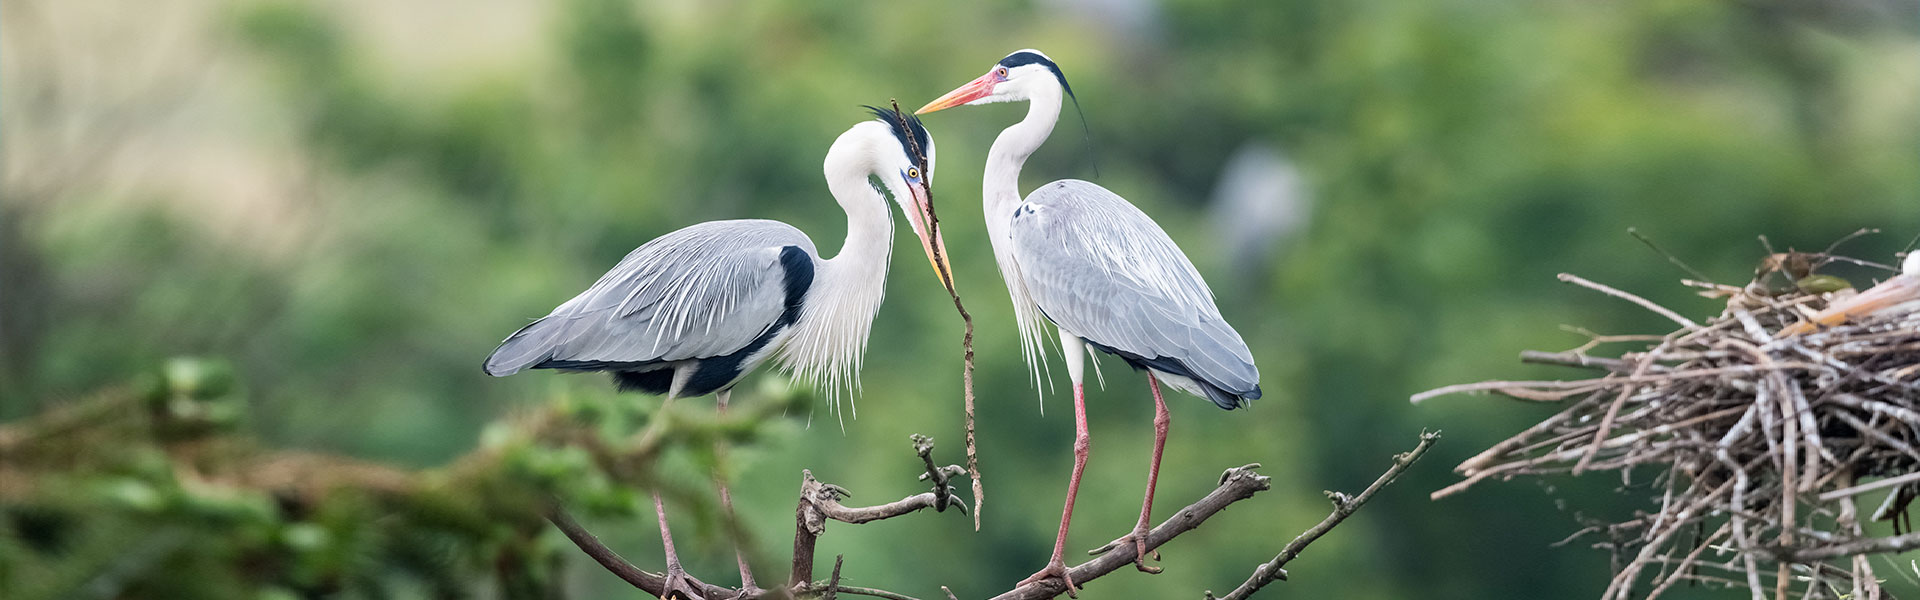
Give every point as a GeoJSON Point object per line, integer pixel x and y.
{"type": "Point", "coordinates": [1019, 59]}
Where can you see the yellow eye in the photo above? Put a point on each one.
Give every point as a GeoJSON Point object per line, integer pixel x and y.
{"type": "Point", "coordinates": [913, 173]}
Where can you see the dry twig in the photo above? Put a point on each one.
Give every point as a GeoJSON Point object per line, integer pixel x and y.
{"type": "Point", "coordinates": [966, 342]}
{"type": "Point", "coordinates": [1759, 437]}
{"type": "Point", "coordinates": [1343, 507]}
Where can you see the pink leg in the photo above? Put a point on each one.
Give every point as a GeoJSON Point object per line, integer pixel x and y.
{"type": "Point", "coordinates": [1161, 420]}
{"type": "Point", "coordinates": [1082, 443]}
{"type": "Point", "coordinates": [1138, 538]}
{"type": "Point", "coordinates": [676, 576]}
{"type": "Point", "coordinates": [726, 499]}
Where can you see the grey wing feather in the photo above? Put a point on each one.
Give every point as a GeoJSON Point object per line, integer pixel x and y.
{"type": "Point", "coordinates": [1103, 270]}
{"type": "Point", "coordinates": [703, 291]}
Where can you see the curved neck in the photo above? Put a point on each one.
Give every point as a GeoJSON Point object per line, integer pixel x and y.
{"type": "Point", "coordinates": [869, 241]}
{"type": "Point", "coordinates": [830, 336]}
{"type": "Point", "coordinates": [1001, 185]}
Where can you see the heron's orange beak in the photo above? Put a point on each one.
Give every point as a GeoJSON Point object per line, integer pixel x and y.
{"type": "Point", "coordinates": [973, 90]}
{"type": "Point", "coordinates": [931, 241]}
{"type": "Point", "coordinates": [1893, 292]}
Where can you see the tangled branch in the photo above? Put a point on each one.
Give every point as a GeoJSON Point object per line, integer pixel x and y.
{"type": "Point", "coordinates": [819, 503]}
{"type": "Point", "coordinates": [1760, 441]}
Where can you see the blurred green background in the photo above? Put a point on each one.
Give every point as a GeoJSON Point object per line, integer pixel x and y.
{"type": "Point", "coordinates": [350, 202]}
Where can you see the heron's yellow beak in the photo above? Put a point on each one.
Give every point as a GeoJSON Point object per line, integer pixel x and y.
{"type": "Point", "coordinates": [1901, 289]}
{"type": "Point", "coordinates": [931, 241]}
{"type": "Point", "coordinates": [973, 90]}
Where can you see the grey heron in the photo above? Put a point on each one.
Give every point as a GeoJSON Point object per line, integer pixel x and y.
{"type": "Point", "coordinates": [1104, 273]}
{"type": "Point", "coordinates": [693, 311]}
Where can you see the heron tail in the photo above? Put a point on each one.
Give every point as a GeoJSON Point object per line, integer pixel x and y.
{"type": "Point", "coordinates": [1225, 399]}
{"type": "Point", "coordinates": [529, 346]}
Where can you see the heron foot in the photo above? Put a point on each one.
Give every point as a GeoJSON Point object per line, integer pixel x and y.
{"type": "Point", "coordinates": [1140, 553]}
{"type": "Point", "coordinates": [1056, 569]}
{"type": "Point", "coordinates": [678, 586]}
{"type": "Point", "coordinates": [749, 591]}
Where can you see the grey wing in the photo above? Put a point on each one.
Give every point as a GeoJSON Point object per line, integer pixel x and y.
{"type": "Point", "coordinates": [703, 291]}
{"type": "Point", "coordinates": [1103, 270]}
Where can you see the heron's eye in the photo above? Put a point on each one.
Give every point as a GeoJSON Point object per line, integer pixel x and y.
{"type": "Point", "coordinates": [913, 173]}
{"type": "Point", "coordinates": [1002, 72]}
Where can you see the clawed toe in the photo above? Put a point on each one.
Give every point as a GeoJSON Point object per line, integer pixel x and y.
{"type": "Point", "coordinates": [1140, 554]}
{"type": "Point", "coordinates": [1137, 539]}
{"type": "Point", "coordinates": [749, 592]}
{"type": "Point", "coordinates": [1054, 570]}
{"type": "Point", "coordinates": [678, 587]}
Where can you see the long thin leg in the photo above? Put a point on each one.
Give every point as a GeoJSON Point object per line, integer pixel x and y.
{"type": "Point", "coordinates": [1075, 351]}
{"type": "Point", "coordinates": [677, 585]}
{"type": "Point", "coordinates": [1161, 420]}
{"type": "Point", "coordinates": [676, 576]}
{"type": "Point", "coordinates": [726, 499]}
{"type": "Point", "coordinates": [1138, 538]}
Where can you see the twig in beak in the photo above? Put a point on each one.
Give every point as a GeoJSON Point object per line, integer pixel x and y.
{"type": "Point", "coordinates": [966, 343]}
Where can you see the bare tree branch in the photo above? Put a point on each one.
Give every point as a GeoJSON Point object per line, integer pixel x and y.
{"type": "Point", "coordinates": [818, 503]}
{"type": "Point", "coordinates": [1236, 484]}
{"type": "Point", "coordinates": [821, 501]}
{"type": "Point", "coordinates": [652, 583]}
{"type": "Point", "coordinates": [1343, 507]}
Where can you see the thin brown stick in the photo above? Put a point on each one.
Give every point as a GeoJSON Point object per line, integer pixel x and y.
{"type": "Point", "coordinates": [1898, 543]}
{"type": "Point", "coordinates": [834, 581]}
{"type": "Point", "coordinates": [1868, 487]}
{"type": "Point", "coordinates": [966, 341]}
{"type": "Point", "coordinates": [1643, 302]}
{"type": "Point", "coordinates": [1343, 507]}
{"type": "Point", "coordinates": [1581, 384]}
{"type": "Point", "coordinates": [1575, 359]}
{"type": "Point", "coordinates": [651, 583]}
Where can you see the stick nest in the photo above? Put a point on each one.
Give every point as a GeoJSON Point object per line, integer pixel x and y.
{"type": "Point", "coordinates": [1760, 443]}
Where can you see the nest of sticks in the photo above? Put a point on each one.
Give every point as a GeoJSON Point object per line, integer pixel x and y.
{"type": "Point", "coordinates": [1765, 448]}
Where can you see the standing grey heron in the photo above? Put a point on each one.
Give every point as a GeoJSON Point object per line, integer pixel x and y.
{"type": "Point", "coordinates": [1105, 274]}
{"type": "Point", "coordinates": [693, 311]}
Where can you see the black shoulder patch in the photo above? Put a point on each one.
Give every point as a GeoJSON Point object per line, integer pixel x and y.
{"type": "Point", "coordinates": [798, 266]}
{"type": "Point", "coordinates": [914, 133]}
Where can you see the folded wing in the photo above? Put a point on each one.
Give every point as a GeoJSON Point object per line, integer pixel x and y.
{"type": "Point", "coordinates": [703, 291]}
{"type": "Point", "coordinates": [1103, 270]}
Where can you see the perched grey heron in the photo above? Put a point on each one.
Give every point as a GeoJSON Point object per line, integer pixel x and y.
{"type": "Point", "coordinates": [1104, 273]}
{"type": "Point", "coordinates": [693, 311]}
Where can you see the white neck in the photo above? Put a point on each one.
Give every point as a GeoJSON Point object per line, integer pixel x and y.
{"type": "Point", "coordinates": [1000, 193]}
{"type": "Point", "coordinates": [830, 337]}
{"type": "Point", "coordinates": [1000, 187]}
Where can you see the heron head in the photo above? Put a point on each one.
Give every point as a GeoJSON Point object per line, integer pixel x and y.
{"type": "Point", "coordinates": [909, 180]}
{"type": "Point", "coordinates": [1020, 76]}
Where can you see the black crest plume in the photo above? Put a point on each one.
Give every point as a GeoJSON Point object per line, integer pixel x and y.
{"type": "Point", "coordinates": [907, 129]}
{"type": "Point", "coordinates": [1026, 57]}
